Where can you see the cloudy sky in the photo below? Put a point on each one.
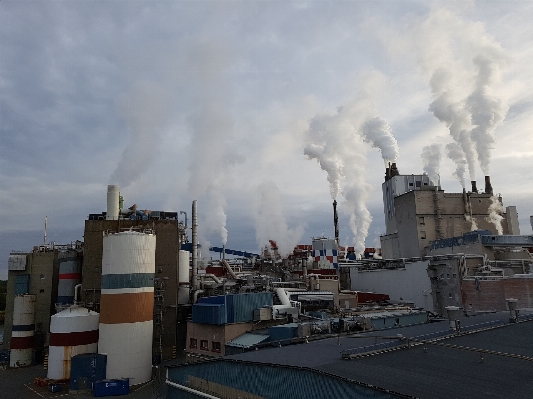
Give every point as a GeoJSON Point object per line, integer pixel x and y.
{"type": "Point", "coordinates": [218, 100]}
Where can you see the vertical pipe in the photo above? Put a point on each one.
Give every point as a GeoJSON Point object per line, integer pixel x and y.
{"type": "Point", "coordinates": [336, 221]}
{"type": "Point", "coordinates": [45, 223]}
{"type": "Point", "coordinates": [194, 276]}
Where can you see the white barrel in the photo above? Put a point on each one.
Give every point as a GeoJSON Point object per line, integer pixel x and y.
{"type": "Point", "coordinates": [23, 331]}
{"type": "Point", "coordinates": [183, 267]}
{"type": "Point", "coordinates": [113, 197]}
{"type": "Point", "coordinates": [69, 277]}
{"type": "Point", "coordinates": [126, 305]}
{"type": "Point", "coordinates": [72, 332]}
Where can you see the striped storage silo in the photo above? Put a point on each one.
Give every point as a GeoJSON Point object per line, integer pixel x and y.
{"type": "Point", "coordinates": [126, 305]}
{"type": "Point", "coordinates": [22, 331]}
{"type": "Point", "coordinates": [73, 331]}
{"type": "Point", "coordinates": [69, 277]}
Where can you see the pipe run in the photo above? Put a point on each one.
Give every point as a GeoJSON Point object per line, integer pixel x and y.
{"type": "Point", "coordinates": [77, 289]}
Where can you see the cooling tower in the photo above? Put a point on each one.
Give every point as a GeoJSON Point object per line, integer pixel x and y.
{"type": "Point", "coordinates": [22, 331]}
{"type": "Point", "coordinates": [126, 305]}
{"type": "Point", "coordinates": [72, 332]}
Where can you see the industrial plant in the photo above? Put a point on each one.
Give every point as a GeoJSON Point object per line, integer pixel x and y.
{"type": "Point", "coordinates": [140, 293]}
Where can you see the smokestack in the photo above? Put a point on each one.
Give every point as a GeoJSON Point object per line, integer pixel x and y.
{"type": "Point", "coordinates": [391, 171]}
{"type": "Point", "coordinates": [113, 199]}
{"type": "Point", "coordinates": [488, 186]}
{"type": "Point", "coordinates": [336, 221]}
{"type": "Point", "coordinates": [474, 187]}
{"type": "Point", "coordinates": [194, 276]}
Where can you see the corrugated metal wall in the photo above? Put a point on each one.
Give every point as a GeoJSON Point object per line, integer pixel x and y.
{"type": "Point", "coordinates": [272, 381]}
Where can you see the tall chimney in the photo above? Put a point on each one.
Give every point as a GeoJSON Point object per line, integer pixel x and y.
{"type": "Point", "coordinates": [113, 198]}
{"type": "Point", "coordinates": [194, 243]}
{"type": "Point", "coordinates": [336, 221]}
{"type": "Point", "coordinates": [488, 186]}
{"type": "Point", "coordinates": [474, 187]}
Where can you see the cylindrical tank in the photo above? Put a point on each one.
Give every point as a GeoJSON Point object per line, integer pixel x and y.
{"type": "Point", "coordinates": [113, 198]}
{"type": "Point", "coordinates": [183, 278]}
{"type": "Point", "coordinates": [72, 332]}
{"type": "Point", "coordinates": [22, 331]}
{"type": "Point", "coordinates": [126, 305]}
{"type": "Point", "coordinates": [69, 277]}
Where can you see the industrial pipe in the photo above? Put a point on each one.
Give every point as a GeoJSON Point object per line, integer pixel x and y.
{"type": "Point", "coordinates": [212, 276]}
{"type": "Point", "coordinates": [229, 269]}
{"type": "Point", "coordinates": [76, 297]}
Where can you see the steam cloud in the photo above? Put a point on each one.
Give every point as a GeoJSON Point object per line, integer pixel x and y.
{"type": "Point", "coordinates": [378, 133]}
{"type": "Point", "coordinates": [463, 88]}
{"type": "Point", "coordinates": [336, 142]}
{"type": "Point", "coordinates": [270, 223]}
{"type": "Point", "coordinates": [456, 154]}
{"type": "Point", "coordinates": [144, 109]}
{"type": "Point", "coordinates": [495, 214]}
{"type": "Point", "coordinates": [431, 155]}
{"type": "Point", "coordinates": [212, 156]}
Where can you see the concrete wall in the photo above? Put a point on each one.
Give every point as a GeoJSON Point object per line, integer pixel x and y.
{"type": "Point", "coordinates": [166, 263]}
{"type": "Point", "coordinates": [411, 284]}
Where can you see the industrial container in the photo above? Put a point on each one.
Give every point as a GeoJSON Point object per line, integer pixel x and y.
{"type": "Point", "coordinates": [282, 335]}
{"type": "Point", "coordinates": [126, 305]}
{"type": "Point", "coordinates": [22, 331]}
{"type": "Point", "coordinates": [72, 332]}
{"type": "Point", "coordinates": [111, 387]}
{"type": "Point", "coordinates": [304, 330]}
{"type": "Point", "coordinates": [54, 388]}
{"type": "Point", "coordinates": [209, 313]}
{"type": "Point", "coordinates": [240, 307]}
{"type": "Point", "coordinates": [85, 370]}
{"type": "Point", "coordinates": [262, 314]}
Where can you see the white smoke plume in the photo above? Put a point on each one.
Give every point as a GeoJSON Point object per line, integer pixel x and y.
{"type": "Point", "coordinates": [431, 156]}
{"type": "Point", "coordinates": [378, 133]}
{"type": "Point", "coordinates": [457, 155]}
{"type": "Point", "coordinates": [144, 109]}
{"type": "Point", "coordinates": [270, 224]}
{"type": "Point", "coordinates": [456, 118]}
{"type": "Point", "coordinates": [472, 220]}
{"type": "Point", "coordinates": [487, 111]}
{"type": "Point", "coordinates": [211, 150]}
{"type": "Point", "coordinates": [336, 142]}
{"type": "Point", "coordinates": [212, 160]}
{"type": "Point", "coordinates": [462, 63]}
{"type": "Point", "coordinates": [495, 214]}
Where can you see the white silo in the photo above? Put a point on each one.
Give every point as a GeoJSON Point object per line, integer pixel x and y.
{"type": "Point", "coordinates": [23, 331]}
{"type": "Point", "coordinates": [126, 305]}
{"type": "Point", "coordinates": [183, 278]}
{"type": "Point", "coordinates": [72, 332]}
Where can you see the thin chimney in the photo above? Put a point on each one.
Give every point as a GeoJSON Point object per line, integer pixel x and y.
{"type": "Point", "coordinates": [474, 187]}
{"type": "Point", "coordinates": [488, 186]}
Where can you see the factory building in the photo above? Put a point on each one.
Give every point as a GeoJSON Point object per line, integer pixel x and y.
{"type": "Point", "coordinates": [169, 233]}
{"type": "Point", "coordinates": [49, 273]}
{"type": "Point", "coordinates": [417, 212]}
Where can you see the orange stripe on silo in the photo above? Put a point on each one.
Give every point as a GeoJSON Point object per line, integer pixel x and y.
{"type": "Point", "coordinates": [126, 308]}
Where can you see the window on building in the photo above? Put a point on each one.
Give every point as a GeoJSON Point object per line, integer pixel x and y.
{"type": "Point", "coordinates": [418, 184]}
{"type": "Point", "coordinates": [421, 221]}
{"type": "Point", "coordinates": [42, 276]}
{"type": "Point", "coordinates": [423, 235]}
{"type": "Point", "coordinates": [410, 184]}
{"type": "Point", "coordinates": [41, 291]}
{"type": "Point", "coordinates": [454, 275]}
{"type": "Point", "coordinates": [215, 347]}
{"type": "Point", "coordinates": [193, 343]}
{"type": "Point", "coordinates": [450, 295]}
{"type": "Point", "coordinates": [448, 275]}
{"type": "Point", "coordinates": [204, 344]}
